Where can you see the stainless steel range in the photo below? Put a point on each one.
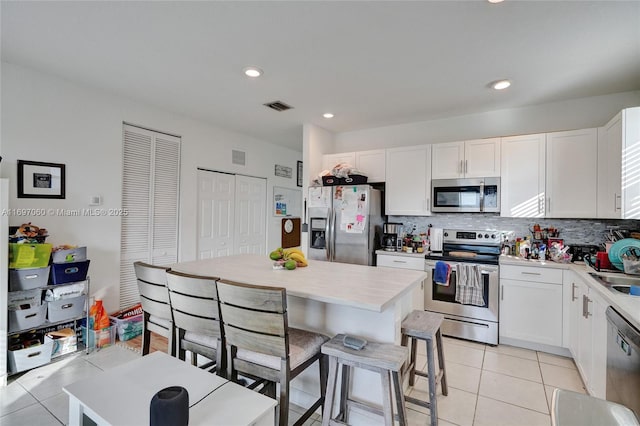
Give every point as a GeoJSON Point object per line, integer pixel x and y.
{"type": "Point", "coordinates": [466, 252]}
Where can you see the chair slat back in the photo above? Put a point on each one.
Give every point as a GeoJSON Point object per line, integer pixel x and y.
{"type": "Point", "coordinates": [260, 322]}
{"type": "Point", "coordinates": [256, 342]}
{"type": "Point", "coordinates": [194, 302]}
{"type": "Point", "coordinates": [255, 317]}
{"type": "Point", "coordinates": [152, 286]}
{"type": "Point", "coordinates": [258, 298]}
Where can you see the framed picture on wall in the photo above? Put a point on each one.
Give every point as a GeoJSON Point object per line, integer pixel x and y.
{"type": "Point", "coordinates": [40, 180]}
{"type": "Point", "coordinates": [299, 174]}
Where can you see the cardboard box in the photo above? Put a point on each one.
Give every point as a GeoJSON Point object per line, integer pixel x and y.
{"type": "Point", "coordinates": [64, 341]}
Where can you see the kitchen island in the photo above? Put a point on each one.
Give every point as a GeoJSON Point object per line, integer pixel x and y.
{"type": "Point", "coordinates": [329, 298]}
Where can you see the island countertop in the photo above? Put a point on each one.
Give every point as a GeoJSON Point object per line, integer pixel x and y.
{"type": "Point", "coordinates": [358, 286]}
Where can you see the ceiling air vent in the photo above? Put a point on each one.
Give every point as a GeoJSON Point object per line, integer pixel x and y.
{"type": "Point", "coordinates": [238, 157]}
{"type": "Point", "coordinates": [278, 106]}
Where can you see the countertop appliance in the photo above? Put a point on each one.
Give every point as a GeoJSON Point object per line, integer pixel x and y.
{"type": "Point", "coordinates": [435, 240]}
{"type": "Point", "coordinates": [345, 223]}
{"type": "Point", "coordinates": [578, 251]}
{"type": "Point", "coordinates": [623, 361]}
{"type": "Point", "coordinates": [481, 249]}
{"type": "Point", "coordinates": [391, 240]}
{"type": "Point", "coordinates": [465, 195]}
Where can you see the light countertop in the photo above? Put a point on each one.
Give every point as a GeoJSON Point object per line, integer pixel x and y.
{"type": "Point", "coordinates": [363, 287]}
{"type": "Point", "coordinates": [627, 305]}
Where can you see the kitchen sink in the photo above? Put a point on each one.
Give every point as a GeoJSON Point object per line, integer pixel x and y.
{"type": "Point", "coordinates": [616, 284]}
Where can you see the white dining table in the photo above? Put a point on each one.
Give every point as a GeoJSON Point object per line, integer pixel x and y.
{"type": "Point", "coordinates": [122, 395]}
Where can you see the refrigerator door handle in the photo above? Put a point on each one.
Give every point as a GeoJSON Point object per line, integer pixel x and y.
{"type": "Point", "coordinates": [333, 235]}
{"type": "Point", "coordinates": [327, 233]}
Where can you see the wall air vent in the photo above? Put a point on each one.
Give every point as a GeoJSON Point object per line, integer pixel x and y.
{"type": "Point", "coordinates": [238, 157]}
{"type": "Point", "coordinates": [278, 106]}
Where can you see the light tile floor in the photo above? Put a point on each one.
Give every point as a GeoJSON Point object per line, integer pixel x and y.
{"type": "Point", "coordinates": [499, 385]}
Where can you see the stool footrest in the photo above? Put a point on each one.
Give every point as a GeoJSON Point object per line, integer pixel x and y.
{"type": "Point", "coordinates": [420, 402]}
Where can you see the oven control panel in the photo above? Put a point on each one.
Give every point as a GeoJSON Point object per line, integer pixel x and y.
{"type": "Point", "coordinates": [472, 236]}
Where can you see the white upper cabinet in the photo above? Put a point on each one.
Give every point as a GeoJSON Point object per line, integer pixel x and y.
{"type": "Point", "coordinates": [447, 160]}
{"type": "Point", "coordinates": [408, 181]}
{"type": "Point", "coordinates": [571, 183]}
{"type": "Point", "coordinates": [474, 158]}
{"type": "Point", "coordinates": [329, 161]}
{"type": "Point", "coordinates": [618, 179]}
{"type": "Point", "coordinates": [631, 154]}
{"type": "Point", "coordinates": [610, 169]}
{"type": "Point", "coordinates": [522, 181]}
{"type": "Point", "coordinates": [372, 164]}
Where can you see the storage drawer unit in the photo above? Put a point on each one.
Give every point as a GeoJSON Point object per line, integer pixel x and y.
{"type": "Point", "coordinates": [64, 273]}
{"type": "Point", "coordinates": [402, 262]}
{"type": "Point", "coordinates": [34, 356]}
{"type": "Point", "coordinates": [29, 255]}
{"type": "Point", "coordinates": [28, 278]}
{"type": "Point", "coordinates": [531, 273]}
{"type": "Point", "coordinates": [65, 309]}
{"type": "Point", "coordinates": [78, 254]}
{"type": "Point", "coordinates": [23, 319]}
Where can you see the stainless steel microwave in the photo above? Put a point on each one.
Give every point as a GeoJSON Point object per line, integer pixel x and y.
{"type": "Point", "coordinates": [465, 195]}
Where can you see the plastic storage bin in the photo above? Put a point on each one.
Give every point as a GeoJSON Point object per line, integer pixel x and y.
{"type": "Point", "coordinates": [63, 273]}
{"type": "Point", "coordinates": [24, 299]}
{"type": "Point", "coordinates": [24, 319]}
{"type": "Point", "coordinates": [34, 356]}
{"type": "Point", "coordinates": [99, 339]}
{"type": "Point", "coordinates": [128, 328]}
{"type": "Point", "coordinates": [29, 255]}
{"type": "Point", "coordinates": [64, 341]}
{"type": "Point", "coordinates": [28, 278]}
{"type": "Point", "coordinates": [78, 254]}
{"type": "Point", "coordinates": [65, 309]}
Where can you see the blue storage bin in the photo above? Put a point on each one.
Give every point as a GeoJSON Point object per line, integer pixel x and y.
{"type": "Point", "coordinates": [63, 273]}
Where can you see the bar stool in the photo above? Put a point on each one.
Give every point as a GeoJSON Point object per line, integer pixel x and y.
{"type": "Point", "coordinates": [423, 325]}
{"type": "Point", "coordinates": [385, 359]}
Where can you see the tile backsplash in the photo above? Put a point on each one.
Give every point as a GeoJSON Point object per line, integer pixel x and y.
{"type": "Point", "coordinates": [573, 231]}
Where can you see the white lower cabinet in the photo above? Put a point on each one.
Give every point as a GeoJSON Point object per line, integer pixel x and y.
{"type": "Point", "coordinates": [531, 305]}
{"type": "Point", "coordinates": [406, 262]}
{"type": "Point", "coordinates": [588, 334]}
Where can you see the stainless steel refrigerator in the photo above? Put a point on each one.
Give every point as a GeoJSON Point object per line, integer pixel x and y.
{"type": "Point", "coordinates": [344, 223]}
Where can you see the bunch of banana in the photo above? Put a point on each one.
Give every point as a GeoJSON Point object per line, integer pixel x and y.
{"type": "Point", "coordinates": [290, 258]}
{"type": "Point", "coordinates": [297, 255]}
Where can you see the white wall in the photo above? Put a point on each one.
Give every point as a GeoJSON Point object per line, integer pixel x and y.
{"type": "Point", "coordinates": [574, 114]}
{"type": "Point", "coordinates": [45, 118]}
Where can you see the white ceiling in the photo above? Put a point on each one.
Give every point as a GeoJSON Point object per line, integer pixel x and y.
{"type": "Point", "coordinates": [370, 63]}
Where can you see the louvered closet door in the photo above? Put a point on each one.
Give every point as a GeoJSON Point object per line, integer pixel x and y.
{"type": "Point", "coordinates": [150, 184]}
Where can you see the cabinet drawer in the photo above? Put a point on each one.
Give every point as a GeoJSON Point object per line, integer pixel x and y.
{"type": "Point", "coordinates": [531, 273]}
{"type": "Point", "coordinates": [402, 262]}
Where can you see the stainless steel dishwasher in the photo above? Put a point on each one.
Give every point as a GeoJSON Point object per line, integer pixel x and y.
{"type": "Point", "coordinates": [623, 361]}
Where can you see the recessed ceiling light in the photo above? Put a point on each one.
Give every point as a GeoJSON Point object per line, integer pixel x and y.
{"type": "Point", "coordinates": [501, 84]}
{"type": "Point", "coordinates": [327, 115]}
{"type": "Point", "coordinates": [495, 1]}
{"type": "Point", "coordinates": [252, 72]}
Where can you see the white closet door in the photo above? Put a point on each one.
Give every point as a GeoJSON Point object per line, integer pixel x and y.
{"type": "Point", "coordinates": [216, 200]}
{"type": "Point", "coordinates": [250, 214]}
{"type": "Point", "coordinates": [150, 182]}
